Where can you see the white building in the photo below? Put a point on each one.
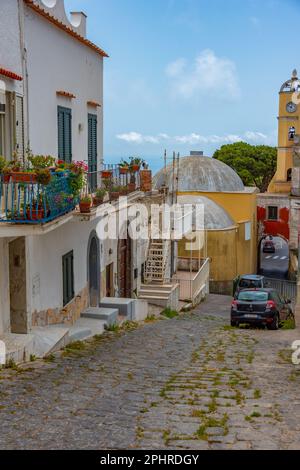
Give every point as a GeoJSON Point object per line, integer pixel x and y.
{"type": "Point", "coordinates": [52, 101]}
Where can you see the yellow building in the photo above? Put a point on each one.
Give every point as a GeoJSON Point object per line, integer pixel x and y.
{"type": "Point", "coordinates": [288, 127]}
{"type": "Point", "coordinates": [230, 216]}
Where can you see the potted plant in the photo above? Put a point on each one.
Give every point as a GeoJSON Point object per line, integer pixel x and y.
{"type": "Point", "coordinates": [99, 196]}
{"type": "Point", "coordinates": [135, 164]}
{"type": "Point", "coordinates": [36, 210]}
{"type": "Point", "coordinates": [85, 204]}
{"type": "Point", "coordinates": [4, 170]}
{"type": "Point", "coordinates": [115, 193]}
{"type": "Point", "coordinates": [43, 176]}
{"type": "Point", "coordinates": [39, 162]}
{"type": "Point", "coordinates": [123, 167]}
{"type": "Point", "coordinates": [106, 174]}
{"type": "Point", "coordinates": [123, 191]}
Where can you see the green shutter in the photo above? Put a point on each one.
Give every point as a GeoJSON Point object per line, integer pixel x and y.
{"type": "Point", "coordinates": [68, 278]}
{"type": "Point", "coordinates": [92, 150]}
{"type": "Point", "coordinates": [64, 120]}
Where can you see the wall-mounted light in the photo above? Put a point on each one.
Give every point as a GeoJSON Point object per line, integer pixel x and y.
{"type": "Point", "coordinates": [80, 127]}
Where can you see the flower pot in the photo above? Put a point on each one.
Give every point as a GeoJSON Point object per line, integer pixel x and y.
{"type": "Point", "coordinates": [106, 174]}
{"type": "Point", "coordinates": [85, 207]}
{"type": "Point", "coordinates": [6, 178]}
{"type": "Point", "coordinates": [131, 187]}
{"type": "Point", "coordinates": [135, 168]}
{"type": "Point", "coordinates": [97, 201]}
{"type": "Point", "coordinates": [114, 196]}
{"type": "Point", "coordinates": [123, 170]}
{"type": "Point", "coordinates": [35, 214]}
{"type": "Point", "coordinates": [23, 177]}
{"type": "Point", "coordinates": [124, 192]}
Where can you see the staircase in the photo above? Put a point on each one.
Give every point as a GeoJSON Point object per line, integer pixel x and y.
{"type": "Point", "coordinates": [156, 290]}
{"type": "Point", "coordinates": [155, 270]}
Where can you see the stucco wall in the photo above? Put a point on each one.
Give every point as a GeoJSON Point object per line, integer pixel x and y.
{"type": "Point", "coordinates": [4, 287]}
{"type": "Point", "coordinates": [56, 61]}
{"type": "Point", "coordinates": [10, 51]}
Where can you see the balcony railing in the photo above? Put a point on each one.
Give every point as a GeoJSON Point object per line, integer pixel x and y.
{"type": "Point", "coordinates": [27, 202]}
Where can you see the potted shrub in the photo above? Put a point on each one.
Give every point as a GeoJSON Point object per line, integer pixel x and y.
{"type": "Point", "coordinates": [39, 162]}
{"type": "Point", "coordinates": [123, 167]}
{"type": "Point", "coordinates": [115, 193]}
{"type": "Point", "coordinates": [85, 204]}
{"type": "Point", "coordinates": [99, 197]}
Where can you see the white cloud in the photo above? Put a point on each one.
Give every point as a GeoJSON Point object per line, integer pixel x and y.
{"type": "Point", "coordinates": [252, 137]}
{"type": "Point", "coordinates": [207, 73]}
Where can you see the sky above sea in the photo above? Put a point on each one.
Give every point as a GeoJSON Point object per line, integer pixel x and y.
{"type": "Point", "coordinates": [191, 74]}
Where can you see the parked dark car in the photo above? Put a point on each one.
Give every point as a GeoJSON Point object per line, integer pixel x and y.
{"type": "Point", "coordinates": [249, 281]}
{"type": "Point", "coordinates": [260, 307]}
{"type": "Point", "coordinates": [269, 246]}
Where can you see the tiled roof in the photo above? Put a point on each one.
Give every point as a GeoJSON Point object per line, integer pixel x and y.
{"type": "Point", "coordinates": [10, 74]}
{"type": "Point", "coordinates": [64, 27]}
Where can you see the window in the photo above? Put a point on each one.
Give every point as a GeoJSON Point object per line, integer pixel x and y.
{"type": "Point", "coordinates": [92, 151]}
{"type": "Point", "coordinates": [64, 122]}
{"type": "Point", "coordinates": [273, 213]}
{"type": "Point", "coordinates": [68, 277]}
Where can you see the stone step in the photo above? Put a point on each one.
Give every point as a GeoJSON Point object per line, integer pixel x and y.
{"type": "Point", "coordinates": [124, 306]}
{"type": "Point", "coordinates": [153, 293]}
{"type": "Point", "coordinates": [108, 315]}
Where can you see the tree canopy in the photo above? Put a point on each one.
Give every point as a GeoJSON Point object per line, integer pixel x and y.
{"type": "Point", "coordinates": [255, 164]}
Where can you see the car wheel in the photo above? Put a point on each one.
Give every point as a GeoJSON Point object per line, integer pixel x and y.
{"type": "Point", "coordinates": [234, 324]}
{"type": "Point", "coordinates": [275, 323]}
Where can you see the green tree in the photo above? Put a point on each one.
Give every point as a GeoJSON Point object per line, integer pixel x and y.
{"type": "Point", "coordinates": [255, 164]}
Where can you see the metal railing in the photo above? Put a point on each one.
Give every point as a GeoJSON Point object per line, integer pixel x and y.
{"type": "Point", "coordinates": [112, 175]}
{"type": "Point", "coordinates": [28, 202]}
{"type": "Point", "coordinates": [193, 282]}
{"type": "Point", "coordinates": [288, 289]}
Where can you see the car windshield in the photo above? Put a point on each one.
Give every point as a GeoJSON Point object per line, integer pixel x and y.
{"type": "Point", "coordinates": [250, 284]}
{"type": "Point", "coordinates": [253, 296]}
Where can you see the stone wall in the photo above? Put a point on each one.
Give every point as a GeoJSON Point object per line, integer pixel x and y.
{"type": "Point", "coordinates": [68, 315]}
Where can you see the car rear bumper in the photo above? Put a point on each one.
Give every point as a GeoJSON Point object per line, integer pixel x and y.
{"type": "Point", "coordinates": [253, 318]}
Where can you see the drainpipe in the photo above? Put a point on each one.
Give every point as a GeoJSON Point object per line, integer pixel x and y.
{"type": "Point", "coordinates": [23, 50]}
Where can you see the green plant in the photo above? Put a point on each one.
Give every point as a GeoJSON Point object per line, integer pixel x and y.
{"type": "Point", "coordinates": [32, 358]}
{"type": "Point", "coordinates": [86, 200]}
{"type": "Point", "coordinates": [41, 162]}
{"type": "Point", "coordinates": [43, 176]}
{"type": "Point", "coordinates": [100, 193]}
{"type": "Point", "coordinates": [288, 324]}
{"type": "Point", "coordinates": [3, 164]}
{"type": "Point", "coordinates": [123, 164]}
{"type": "Point", "coordinates": [115, 189]}
{"type": "Point", "coordinates": [169, 313]}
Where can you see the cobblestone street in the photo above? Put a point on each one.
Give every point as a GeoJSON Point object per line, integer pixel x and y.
{"type": "Point", "coordinates": [190, 382]}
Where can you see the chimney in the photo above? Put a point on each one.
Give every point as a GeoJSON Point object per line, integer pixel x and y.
{"type": "Point", "coordinates": [78, 21]}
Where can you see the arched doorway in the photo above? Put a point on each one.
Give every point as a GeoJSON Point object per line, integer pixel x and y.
{"type": "Point", "coordinates": [124, 268]}
{"type": "Point", "coordinates": [94, 270]}
{"type": "Point", "coordinates": [273, 257]}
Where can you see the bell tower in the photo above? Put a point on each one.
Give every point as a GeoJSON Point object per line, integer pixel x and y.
{"type": "Point", "coordinates": [288, 131]}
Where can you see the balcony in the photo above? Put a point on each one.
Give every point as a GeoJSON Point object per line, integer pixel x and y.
{"type": "Point", "coordinates": [25, 201]}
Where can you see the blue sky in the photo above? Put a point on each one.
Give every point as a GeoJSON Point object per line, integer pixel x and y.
{"type": "Point", "coordinates": [191, 74]}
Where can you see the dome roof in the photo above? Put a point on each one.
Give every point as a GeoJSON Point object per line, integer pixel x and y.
{"type": "Point", "coordinates": [198, 173]}
{"type": "Point", "coordinates": [215, 217]}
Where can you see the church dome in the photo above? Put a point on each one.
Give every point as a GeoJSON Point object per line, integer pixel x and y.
{"type": "Point", "coordinates": [215, 217]}
{"type": "Point", "coordinates": [199, 173]}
